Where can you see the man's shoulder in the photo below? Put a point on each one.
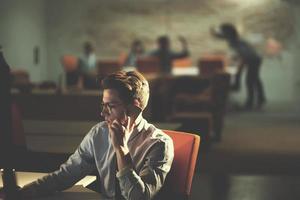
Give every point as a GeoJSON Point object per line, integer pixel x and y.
{"type": "Point", "coordinates": [161, 135]}
{"type": "Point", "coordinates": [158, 134]}
{"type": "Point", "coordinates": [160, 141]}
{"type": "Point", "coordinates": [99, 129]}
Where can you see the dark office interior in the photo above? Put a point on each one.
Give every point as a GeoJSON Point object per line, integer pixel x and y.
{"type": "Point", "coordinates": [246, 152]}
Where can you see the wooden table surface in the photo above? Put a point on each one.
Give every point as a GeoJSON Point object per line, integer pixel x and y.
{"type": "Point", "coordinates": [78, 191]}
{"type": "Point", "coordinates": [24, 178]}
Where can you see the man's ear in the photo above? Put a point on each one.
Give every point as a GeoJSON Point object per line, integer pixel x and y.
{"type": "Point", "coordinates": [134, 109]}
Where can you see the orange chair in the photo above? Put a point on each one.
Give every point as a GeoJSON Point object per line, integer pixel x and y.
{"type": "Point", "coordinates": [148, 65]}
{"type": "Point", "coordinates": [211, 64]}
{"type": "Point", "coordinates": [70, 64]}
{"type": "Point", "coordinates": [106, 67]}
{"type": "Point", "coordinates": [182, 62]}
{"type": "Point", "coordinates": [179, 181]}
{"type": "Point", "coordinates": [122, 58]}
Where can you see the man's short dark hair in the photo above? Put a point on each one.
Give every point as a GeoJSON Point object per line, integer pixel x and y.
{"type": "Point", "coordinates": [163, 42]}
{"type": "Point", "coordinates": [229, 31]}
{"type": "Point", "coordinates": [88, 47]}
{"type": "Point", "coordinates": [129, 85]}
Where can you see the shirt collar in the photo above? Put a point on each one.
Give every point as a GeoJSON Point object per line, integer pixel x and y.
{"type": "Point", "coordinates": [140, 125]}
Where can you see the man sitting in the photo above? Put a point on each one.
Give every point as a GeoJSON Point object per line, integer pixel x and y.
{"type": "Point", "coordinates": [131, 156]}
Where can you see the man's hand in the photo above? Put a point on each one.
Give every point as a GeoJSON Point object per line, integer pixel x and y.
{"type": "Point", "coordinates": [216, 32]}
{"type": "Point", "coordinates": [119, 134]}
{"type": "Point", "coordinates": [183, 41]}
{"type": "Point", "coordinates": [213, 31]}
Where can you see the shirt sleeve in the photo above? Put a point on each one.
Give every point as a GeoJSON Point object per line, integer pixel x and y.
{"type": "Point", "coordinates": [152, 53]}
{"type": "Point", "coordinates": [79, 164]}
{"type": "Point", "coordinates": [176, 55]}
{"type": "Point", "coordinates": [152, 175]}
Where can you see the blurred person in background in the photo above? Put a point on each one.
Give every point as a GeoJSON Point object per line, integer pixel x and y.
{"type": "Point", "coordinates": [248, 58]}
{"type": "Point", "coordinates": [88, 66]}
{"type": "Point", "coordinates": [137, 50]}
{"type": "Point", "coordinates": [166, 55]}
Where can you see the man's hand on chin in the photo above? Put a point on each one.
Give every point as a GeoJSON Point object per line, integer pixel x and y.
{"type": "Point", "coordinates": [119, 137]}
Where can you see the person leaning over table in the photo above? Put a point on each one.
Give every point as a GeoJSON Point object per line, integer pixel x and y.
{"type": "Point", "coordinates": [131, 156]}
{"type": "Point", "coordinates": [248, 58]}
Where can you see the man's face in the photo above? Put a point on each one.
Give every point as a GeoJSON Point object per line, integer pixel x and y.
{"type": "Point", "coordinates": [113, 107]}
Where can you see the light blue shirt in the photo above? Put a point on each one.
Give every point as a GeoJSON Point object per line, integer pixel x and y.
{"type": "Point", "coordinates": [151, 151]}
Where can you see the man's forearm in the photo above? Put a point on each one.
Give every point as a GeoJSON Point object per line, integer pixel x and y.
{"type": "Point", "coordinates": [123, 159]}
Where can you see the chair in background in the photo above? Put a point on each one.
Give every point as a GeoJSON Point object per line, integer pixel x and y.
{"type": "Point", "coordinates": [148, 65]}
{"type": "Point", "coordinates": [189, 103]}
{"type": "Point", "coordinates": [122, 58]}
{"type": "Point", "coordinates": [179, 181]}
{"type": "Point", "coordinates": [211, 64]}
{"type": "Point", "coordinates": [106, 67]}
{"type": "Point", "coordinates": [71, 68]}
{"type": "Point", "coordinates": [200, 102]}
{"type": "Point", "coordinates": [21, 80]}
{"type": "Point", "coordinates": [182, 62]}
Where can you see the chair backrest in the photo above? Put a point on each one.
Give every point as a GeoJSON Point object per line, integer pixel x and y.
{"type": "Point", "coordinates": [70, 63]}
{"type": "Point", "coordinates": [20, 76]}
{"type": "Point", "coordinates": [182, 62]}
{"type": "Point", "coordinates": [148, 65]}
{"type": "Point", "coordinates": [209, 65]}
{"type": "Point", "coordinates": [106, 67]}
{"type": "Point", "coordinates": [179, 180]}
{"type": "Point", "coordinates": [122, 58]}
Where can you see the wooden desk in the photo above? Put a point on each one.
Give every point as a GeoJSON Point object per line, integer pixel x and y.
{"type": "Point", "coordinates": [24, 178]}
{"type": "Point", "coordinates": [78, 191]}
